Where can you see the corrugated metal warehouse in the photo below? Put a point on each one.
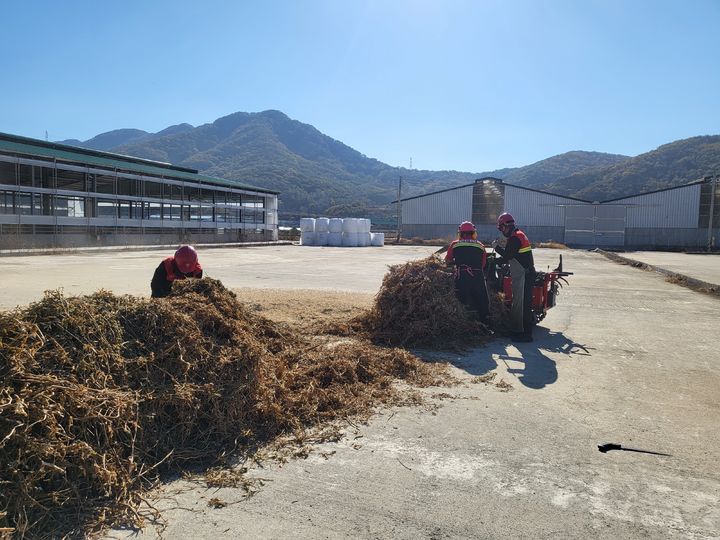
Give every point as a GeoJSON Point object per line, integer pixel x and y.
{"type": "Point", "coordinates": [53, 195]}
{"type": "Point", "coordinates": [681, 217]}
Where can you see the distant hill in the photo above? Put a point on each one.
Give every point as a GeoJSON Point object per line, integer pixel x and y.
{"type": "Point", "coordinates": [560, 166]}
{"type": "Point", "coordinates": [317, 174]}
{"type": "Point", "coordinates": [314, 173]}
{"type": "Point", "coordinates": [111, 139]}
{"type": "Point", "coordinates": [669, 165]}
{"type": "Point", "coordinates": [173, 130]}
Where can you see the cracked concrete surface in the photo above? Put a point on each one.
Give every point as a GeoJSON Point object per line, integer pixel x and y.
{"type": "Point", "coordinates": [625, 357]}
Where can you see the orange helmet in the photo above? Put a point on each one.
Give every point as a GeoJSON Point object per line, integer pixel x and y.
{"type": "Point", "coordinates": [466, 227]}
{"type": "Point", "coordinates": [186, 259]}
{"type": "Point", "coordinates": [504, 219]}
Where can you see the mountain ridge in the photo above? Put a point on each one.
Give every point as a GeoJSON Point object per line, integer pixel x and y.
{"type": "Point", "coordinates": [669, 165]}
{"type": "Point", "coordinates": [316, 174]}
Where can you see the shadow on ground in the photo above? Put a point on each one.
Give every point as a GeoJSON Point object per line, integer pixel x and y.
{"type": "Point", "coordinates": [526, 361]}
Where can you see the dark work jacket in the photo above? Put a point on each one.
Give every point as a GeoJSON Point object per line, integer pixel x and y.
{"type": "Point", "coordinates": [166, 273]}
{"type": "Point", "coordinates": [469, 258]}
{"type": "Point", "coordinates": [518, 248]}
{"type": "Point", "coordinates": [466, 253]}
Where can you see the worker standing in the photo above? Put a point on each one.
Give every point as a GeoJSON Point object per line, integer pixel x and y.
{"type": "Point", "coordinates": [184, 264]}
{"type": "Point", "coordinates": [518, 253]}
{"type": "Point", "coordinates": [468, 255]}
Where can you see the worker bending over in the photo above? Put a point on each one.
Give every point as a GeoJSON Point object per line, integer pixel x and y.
{"type": "Point", "coordinates": [518, 253]}
{"type": "Point", "coordinates": [469, 257]}
{"type": "Point", "coordinates": [184, 264]}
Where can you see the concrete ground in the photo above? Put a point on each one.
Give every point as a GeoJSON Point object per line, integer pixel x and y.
{"type": "Point", "coordinates": [625, 357]}
{"type": "Point", "coordinates": [129, 272]}
{"type": "Point", "coordinates": [705, 267]}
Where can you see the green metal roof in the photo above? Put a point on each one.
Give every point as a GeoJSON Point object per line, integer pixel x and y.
{"type": "Point", "coordinates": [36, 147]}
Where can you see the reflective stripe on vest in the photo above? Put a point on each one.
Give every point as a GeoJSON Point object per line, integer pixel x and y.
{"type": "Point", "coordinates": [524, 242]}
{"type": "Point", "coordinates": [469, 243]}
{"type": "Point", "coordinates": [466, 242]}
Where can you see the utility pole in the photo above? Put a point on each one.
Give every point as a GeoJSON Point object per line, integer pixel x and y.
{"type": "Point", "coordinates": [713, 190]}
{"type": "Point", "coordinates": [399, 210]}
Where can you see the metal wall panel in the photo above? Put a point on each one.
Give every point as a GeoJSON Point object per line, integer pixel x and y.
{"type": "Point", "coordinates": [429, 231]}
{"type": "Point", "coordinates": [659, 238]}
{"type": "Point", "coordinates": [610, 225]}
{"type": "Point", "coordinates": [486, 233]}
{"type": "Point", "coordinates": [445, 208]}
{"type": "Point", "coordinates": [665, 209]}
{"type": "Point", "coordinates": [595, 225]}
{"type": "Point", "coordinates": [666, 219]}
{"type": "Point", "coordinates": [580, 225]}
{"type": "Point", "coordinates": [533, 208]}
{"type": "Point", "coordinates": [543, 234]}
{"type": "Point", "coordinates": [709, 203]}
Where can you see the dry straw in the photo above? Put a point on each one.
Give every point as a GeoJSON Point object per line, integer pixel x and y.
{"type": "Point", "coordinates": [416, 307]}
{"type": "Point", "coordinates": [102, 394]}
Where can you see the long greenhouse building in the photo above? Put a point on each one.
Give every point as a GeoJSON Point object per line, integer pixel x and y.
{"type": "Point", "coordinates": [681, 217]}
{"type": "Point", "coordinates": [54, 195]}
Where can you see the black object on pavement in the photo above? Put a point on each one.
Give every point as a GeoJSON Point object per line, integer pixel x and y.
{"type": "Point", "coordinates": [606, 447]}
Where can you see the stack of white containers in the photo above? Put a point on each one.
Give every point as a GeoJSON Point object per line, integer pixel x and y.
{"type": "Point", "coordinates": [363, 232]}
{"type": "Point", "coordinates": [307, 231]}
{"type": "Point", "coordinates": [335, 235]}
{"type": "Point", "coordinates": [350, 232]}
{"type": "Point", "coordinates": [321, 231]}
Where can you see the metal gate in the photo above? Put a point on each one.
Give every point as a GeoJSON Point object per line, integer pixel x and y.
{"type": "Point", "coordinates": [596, 225]}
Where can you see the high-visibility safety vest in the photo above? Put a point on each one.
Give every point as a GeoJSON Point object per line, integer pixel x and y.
{"type": "Point", "coordinates": [170, 270]}
{"type": "Point", "coordinates": [466, 242]}
{"type": "Point", "coordinates": [524, 242]}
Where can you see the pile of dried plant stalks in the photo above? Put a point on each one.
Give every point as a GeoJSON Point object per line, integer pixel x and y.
{"type": "Point", "coordinates": [101, 394]}
{"type": "Point", "coordinates": [416, 307]}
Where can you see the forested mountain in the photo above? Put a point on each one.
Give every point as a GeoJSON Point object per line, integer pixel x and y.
{"type": "Point", "coordinates": [111, 139]}
{"type": "Point", "coordinates": [669, 165]}
{"type": "Point", "coordinates": [560, 166]}
{"type": "Point", "coordinates": [317, 174]}
{"type": "Point", "coordinates": [313, 172]}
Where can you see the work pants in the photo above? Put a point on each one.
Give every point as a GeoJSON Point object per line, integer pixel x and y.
{"type": "Point", "coordinates": [472, 293]}
{"type": "Point", "coordinates": [521, 315]}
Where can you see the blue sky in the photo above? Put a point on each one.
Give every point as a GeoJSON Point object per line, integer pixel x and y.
{"type": "Point", "coordinates": [460, 85]}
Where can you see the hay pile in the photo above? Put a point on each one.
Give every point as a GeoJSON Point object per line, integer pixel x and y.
{"type": "Point", "coordinates": [101, 394]}
{"type": "Point", "coordinates": [416, 306]}
{"type": "Point", "coordinates": [499, 313]}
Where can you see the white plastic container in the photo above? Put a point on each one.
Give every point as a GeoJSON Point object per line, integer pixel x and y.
{"type": "Point", "coordinates": [350, 225]}
{"type": "Point", "coordinates": [335, 239]}
{"type": "Point", "coordinates": [307, 224]}
{"type": "Point", "coordinates": [321, 224]}
{"type": "Point", "coordinates": [308, 238]}
{"type": "Point", "coordinates": [364, 239]}
{"type": "Point", "coordinates": [335, 225]}
{"type": "Point", "coordinates": [377, 239]}
{"type": "Point", "coordinates": [350, 239]}
{"type": "Point", "coordinates": [321, 238]}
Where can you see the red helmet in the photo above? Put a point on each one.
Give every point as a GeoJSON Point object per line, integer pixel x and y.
{"type": "Point", "coordinates": [504, 219]}
{"type": "Point", "coordinates": [186, 259]}
{"type": "Point", "coordinates": [466, 227]}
